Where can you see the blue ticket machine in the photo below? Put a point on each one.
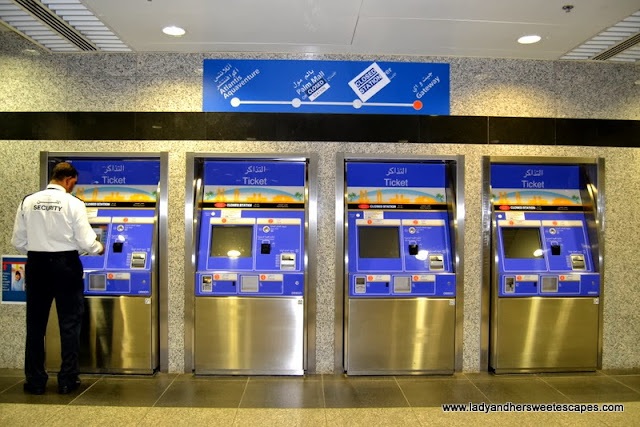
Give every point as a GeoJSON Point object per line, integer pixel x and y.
{"type": "Point", "coordinates": [120, 332]}
{"type": "Point", "coordinates": [402, 266]}
{"type": "Point", "coordinates": [251, 220]}
{"type": "Point", "coordinates": [546, 279]}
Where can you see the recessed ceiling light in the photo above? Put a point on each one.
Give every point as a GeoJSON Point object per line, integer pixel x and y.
{"type": "Point", "coordinates": [172, 30]}
{"type": "Point", "coordinates": [533, 38]}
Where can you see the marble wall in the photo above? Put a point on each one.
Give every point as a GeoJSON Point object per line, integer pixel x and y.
{"type": "Point", "coordinates": [172, 82]}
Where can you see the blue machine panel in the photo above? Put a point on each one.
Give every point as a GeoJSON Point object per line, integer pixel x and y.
{"type": "Point", "coordinates": [543, 244]}
{"type": "Point", "coordinates": [121, 195]}
{"type": "Point", "coordinates": [398, 230]}
{"type": "Point", "coordinates": [251, 235]}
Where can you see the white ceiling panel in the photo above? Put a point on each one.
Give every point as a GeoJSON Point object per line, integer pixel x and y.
{"type": "Point", "coordinates": [212, 22]}
{"type": "Point", "coordinates": [481, 28]}
{"type": "Point", "coordinates": [594, 12]}
{"type": "Point", "coordinates": [477, 38]}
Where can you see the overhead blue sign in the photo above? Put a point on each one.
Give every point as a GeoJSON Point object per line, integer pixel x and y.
{"type": "Point", "coordinates": [344, 87]}
{"type": "Point", "coordinates": [535, 177]}
{"type": "Point", "coordinates": [362, 174]}
{"type": "Point", "coordinates": [258, 173]}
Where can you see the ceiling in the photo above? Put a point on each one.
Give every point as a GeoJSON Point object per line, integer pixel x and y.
{"type": "Point", "coordinates": [487, 28]}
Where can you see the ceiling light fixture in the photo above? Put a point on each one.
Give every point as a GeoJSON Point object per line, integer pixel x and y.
{"type": "Point", "coordinates": [172, 30]}
{"type": "Point", "coordinates": [532, 38]}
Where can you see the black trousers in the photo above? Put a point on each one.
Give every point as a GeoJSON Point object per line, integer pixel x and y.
{"type": "Point", "coordinates": [49, 276]}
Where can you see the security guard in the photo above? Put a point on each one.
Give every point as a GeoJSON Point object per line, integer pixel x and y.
{"type": "Point", "coordinates": [51, 227]}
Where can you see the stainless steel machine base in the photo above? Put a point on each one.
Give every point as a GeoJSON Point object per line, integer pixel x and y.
{"type": "Point", "coordinates": [400, 336]}
{"type": "Point", "coordinates": [545, 335]}
{"type": "Point", "coordinates": [117, 336]}
{"type": "Point", "coordinates": [243, 335]}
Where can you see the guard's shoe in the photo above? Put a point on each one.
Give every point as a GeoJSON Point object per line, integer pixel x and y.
{"type": "Point", "coordinates": [68, 388]}
{"type": "Point", "coordinates": [32, 389]}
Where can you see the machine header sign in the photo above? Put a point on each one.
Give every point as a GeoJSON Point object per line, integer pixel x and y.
{"type": "Point", "coordinates": [536, 185]}
{"type": "Point", "coordinates": [395, 175]}
{"type": "Point", "coordinates": [117, 183]}
{"type": "Point", "coordinates": [344, 87]}
{"type": "Point", "coordinates": [396, 185]}
{"type": "Point", "coordinates": [254, 184]}
{"type": "Point", "coordinates": [535, 177]}
{"type": "Point", "coordinates": [118, 172]}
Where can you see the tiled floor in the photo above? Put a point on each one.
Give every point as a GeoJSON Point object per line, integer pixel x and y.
{"type": "Point", "coordinates": [317, 400]}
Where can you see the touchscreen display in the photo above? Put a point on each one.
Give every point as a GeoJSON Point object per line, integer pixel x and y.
{"type": "Point", "coordinates": [101, 233]}
{"type": "Point", "coordinates": [378, 242]}
{"type": "Point", "coordinates": [523, 243]}
{"type": "Point", "coordinates": [231, 241]}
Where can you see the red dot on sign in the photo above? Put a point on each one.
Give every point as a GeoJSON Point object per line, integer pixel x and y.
{"type": "Point", "coordinates": [224, 219]}
{"type": "Point", "coordinates": [217, 276]}
{"type": "Point", "coordinates": [519, 277]}
{"type": "Point", "coordinates": [510, 222]}
{"type": "Point", "coordinates": [415, 278]}
{"type": "Point", "coordinates": [555, 222]}
{"type": "Point", "coordinates": [126, 220]}
{"type": "Point", "coordinates": [369, 221]}
{"type": "Point", "coordinates": [270, 221]}
{"type": "Point", "coordinates": [417, 105]}
{"type": "Point", "coordinates": [369, 277]}
{"type": "Point", "coordinates": [110, 276]}
{"type": "Point", "coordinates": [262, 277]}
{"type": "Point", "coordinates": [415, 221]}
{"type": "Point", "coordinates": [561, 277]}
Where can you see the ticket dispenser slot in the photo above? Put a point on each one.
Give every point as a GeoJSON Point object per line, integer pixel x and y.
{"type": "Point", "coordinates": [544, 284]}
{"type": "Point", "coordinates": [249, 284]}
{"type": "Point", "coordinates": [436, 262]}
{"type": "Point", "coordinates": [250, 220]}
{"type": "Point", "coordinates": [138, 259]}
{"type": "Point", "coordinates": [402, 284]}
{"type": "Point", "coordinates": [400, 276]}
{"type": "Point", "coordinates": [577, 262]}
{"type": "Point", "coordinates": [98, 282]}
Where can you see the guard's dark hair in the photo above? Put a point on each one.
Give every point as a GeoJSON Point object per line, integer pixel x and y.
{"type": "Point", "coordinates": [63, 170]}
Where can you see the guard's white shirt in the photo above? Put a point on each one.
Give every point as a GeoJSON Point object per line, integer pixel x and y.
{"type": "Point", "coordinates": [53, 220]}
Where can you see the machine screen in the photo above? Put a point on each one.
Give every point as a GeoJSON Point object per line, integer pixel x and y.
{"type": "Point", "coordinates": [101, 233]}
{"type": "Point", "coordinates": [232, 241]}
{"type": "Point", "coordinates": [523, 243]}
{"type": "Point", "coordinates": [378, 242]}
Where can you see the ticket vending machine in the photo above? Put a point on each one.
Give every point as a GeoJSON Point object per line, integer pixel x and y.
{"type": "Point", "coordinates": [121, 327]}
{"type": "Point", "coordinates": [250, 224]}
{"type": "Point", "coordinates": [546, 274]}
{"type": "Point", "coordinates": [403, 222]}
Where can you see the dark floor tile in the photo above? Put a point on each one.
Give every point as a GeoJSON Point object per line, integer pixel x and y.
{"type": "Point", "coordinates": [569, 374]}
{"type": "Point", "coordinates": [283, 393]}
{"type": "Point", "coordinates": [111, 391]}
{"type": "Point", "coordinates": [519, 390]}
{"type": "Point", "coordinates": [625, 371]}
{"type": "Point", "coordinates": [191, 377]}
{"type": "Point", "coordinates": [6, 372]}
{"type": "Point", "coordinates": [632, 381]}
{"type": "Point", "coordinates": [203, 393]}
{"type": "Point", "coordinates": [455, 376]}
{"type": "Point", "coordinates": [8, 382]}
{"type": "Point", "coordinates": [363, 393]}
{"type": "Point", "coordinates": [435, 392]}
{"type": "Point", "coordinates": [16, 394]}
{"type": "Point", "coordinates": [593, 389]}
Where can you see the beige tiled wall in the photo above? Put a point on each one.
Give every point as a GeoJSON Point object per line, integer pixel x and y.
{"type": "Point", "coordinates": [172, 82]}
